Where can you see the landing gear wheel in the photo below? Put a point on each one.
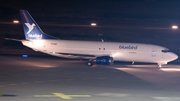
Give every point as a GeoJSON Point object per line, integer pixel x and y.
{"type": "Point", "coordinates": [90, 63]}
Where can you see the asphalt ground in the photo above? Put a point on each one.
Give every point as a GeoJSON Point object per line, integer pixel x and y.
{"type": "Point", "coordinates": [56, 79]}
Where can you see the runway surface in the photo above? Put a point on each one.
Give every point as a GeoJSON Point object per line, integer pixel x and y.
{"type": "Point", "coordinates": [54, 79]}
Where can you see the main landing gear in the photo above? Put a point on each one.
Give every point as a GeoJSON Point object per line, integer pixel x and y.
{"type": "Point", "coordinates": [90, 63]}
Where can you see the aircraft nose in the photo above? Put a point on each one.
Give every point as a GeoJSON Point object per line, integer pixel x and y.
{"type": "Point", "coordinates": [173, 56]}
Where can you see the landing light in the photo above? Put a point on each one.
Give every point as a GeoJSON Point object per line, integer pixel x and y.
{"type": "Point", "coordinates": [174, 27]}
{"type": "Point", "coordinates": [93, 24]}
{"type": "Point", "coordinates": [115, 54]}
{"type": "Point", "coordinates": [15, 21]}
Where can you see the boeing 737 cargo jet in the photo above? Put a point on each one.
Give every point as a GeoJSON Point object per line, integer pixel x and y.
{"type": "Point", "coordinates": [101, 52]}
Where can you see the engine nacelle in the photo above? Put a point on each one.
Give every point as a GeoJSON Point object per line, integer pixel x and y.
{"type": "Point", "coordinates": [104, 60]}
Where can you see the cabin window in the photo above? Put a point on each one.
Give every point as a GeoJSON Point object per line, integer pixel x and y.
{"type": "Point", "coordinates": [102, 48]}
{"type": "Point", "coordinates": [165, 50]}
{"type": "Point", "coordinates": [132, 52]}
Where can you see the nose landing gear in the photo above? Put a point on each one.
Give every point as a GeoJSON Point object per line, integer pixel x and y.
{"type": "Point", "coordinates": [160, 65]}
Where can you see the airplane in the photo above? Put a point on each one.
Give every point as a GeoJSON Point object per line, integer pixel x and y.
{"type": "Point", "coordinates": [103, 53]}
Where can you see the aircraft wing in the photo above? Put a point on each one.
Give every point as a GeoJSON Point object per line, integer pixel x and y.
{"type": "Point", "coordinates": [13, 39]}
{"type": "Point", "coordinates": [79, 56]}
{"type": "Point", "coordinates": [16, 39]}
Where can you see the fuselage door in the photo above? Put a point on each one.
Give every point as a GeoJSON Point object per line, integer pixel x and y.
{"type": "Point", "coordinates": [154, 50]}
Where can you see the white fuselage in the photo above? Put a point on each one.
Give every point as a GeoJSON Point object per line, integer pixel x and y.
{"type": "Point", "coordinates": [132, 52]}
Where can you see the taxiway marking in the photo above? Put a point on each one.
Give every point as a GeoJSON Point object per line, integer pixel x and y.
{"type": "Point", "coordinates": [1, 85]}
{"type": "Point", "coordinates": [38, 81]}
{"type": "Point", "coordinates": [53, 80]}
{"type": "Point", "coordinates": [24, 83]}
{"type": "Point", "coordinates": [167, 98]}
{"type": "Point", "coordinates": [63, 96]}
{"type": "Point", "coordinates": [12, 84]}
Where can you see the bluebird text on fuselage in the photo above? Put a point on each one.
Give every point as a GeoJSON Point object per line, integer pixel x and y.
{"type": "Point", "coordinates": [127, 47]}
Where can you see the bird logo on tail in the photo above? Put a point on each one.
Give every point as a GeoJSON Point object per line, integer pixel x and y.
{"type": "Point", "coordinates": [30, 27]}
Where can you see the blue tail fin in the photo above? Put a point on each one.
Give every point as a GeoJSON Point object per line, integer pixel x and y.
{"type": "Point", "coordinates": [31, 29]}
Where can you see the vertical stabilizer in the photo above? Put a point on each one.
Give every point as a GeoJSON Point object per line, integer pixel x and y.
{"type": "Point", "coordinates": [31, 29]}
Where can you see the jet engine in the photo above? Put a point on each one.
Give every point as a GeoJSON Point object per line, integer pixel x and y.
{"type": "Point", "coordinates": [104, 60]}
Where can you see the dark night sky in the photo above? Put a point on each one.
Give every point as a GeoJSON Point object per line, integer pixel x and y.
{"type": "Point", "coordinates": [139, 21]}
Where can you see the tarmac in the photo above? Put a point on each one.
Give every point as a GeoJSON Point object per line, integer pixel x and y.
{"type": "Point", "coordinates": [57, 79]}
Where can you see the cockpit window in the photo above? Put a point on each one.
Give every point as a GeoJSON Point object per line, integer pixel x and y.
{"type": "Point", "coordinates": [165, 50]}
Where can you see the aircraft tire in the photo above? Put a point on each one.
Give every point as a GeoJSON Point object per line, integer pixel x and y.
{"type": "Point", "coordinates": [90, 63]}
